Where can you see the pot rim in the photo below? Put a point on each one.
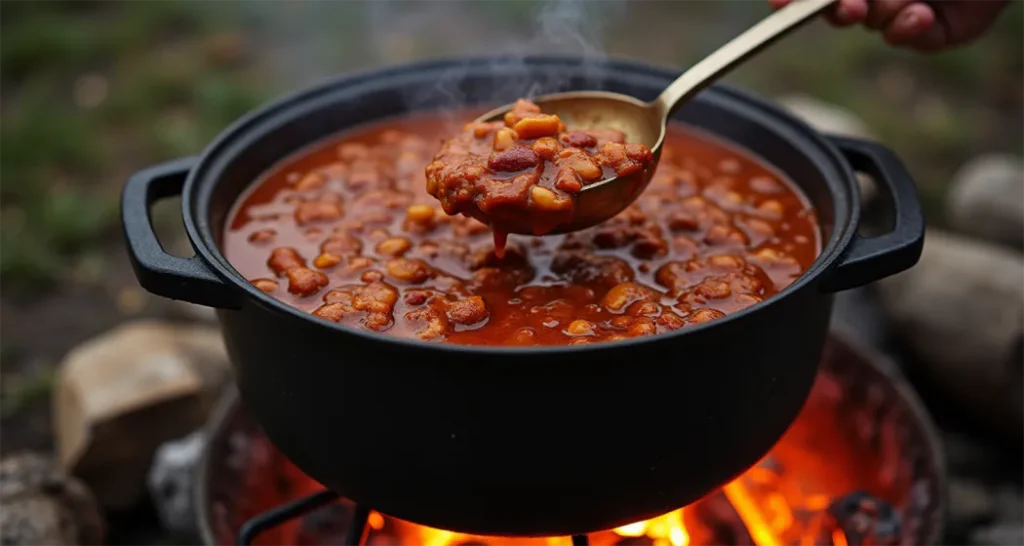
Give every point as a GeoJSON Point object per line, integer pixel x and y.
{"type": "Point", "coordinates": [238, 135]}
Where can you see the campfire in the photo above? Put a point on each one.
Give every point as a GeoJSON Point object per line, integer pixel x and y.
{"type": "Point", "coordinates": [858, 467]}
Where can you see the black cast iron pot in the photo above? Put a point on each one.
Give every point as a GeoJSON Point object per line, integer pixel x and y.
{"type": "Point", "coordinates": [520, 441]}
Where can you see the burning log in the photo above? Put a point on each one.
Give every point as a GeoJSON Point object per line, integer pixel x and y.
{"type": "Point", "coordinates": [962, 311]}
{"type": "Point", "coordinates": [43, 505]}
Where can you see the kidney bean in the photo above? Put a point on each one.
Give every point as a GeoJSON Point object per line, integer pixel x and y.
{"type": "Point", "coordinates": [579, 139]}
{"type": "Point", "coordinates": [513, 160]}
{"type": "Point", "coordinates": [416, 298]}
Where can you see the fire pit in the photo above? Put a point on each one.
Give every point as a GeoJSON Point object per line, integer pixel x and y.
{"type": "Point", "coordinates": [860, 465]}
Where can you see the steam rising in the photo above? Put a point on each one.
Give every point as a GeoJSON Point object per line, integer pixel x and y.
{"type": "Point", "coordinates": [308, 42]}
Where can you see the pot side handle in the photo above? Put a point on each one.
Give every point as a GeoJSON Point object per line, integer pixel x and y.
{"type": "Point", "coordinates": [187, 279]}
{"type": "Point", "coordinates": [869, 259]}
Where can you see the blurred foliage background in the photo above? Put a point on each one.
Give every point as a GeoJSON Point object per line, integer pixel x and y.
{"type": "Point", "coordinates": [92, 91]}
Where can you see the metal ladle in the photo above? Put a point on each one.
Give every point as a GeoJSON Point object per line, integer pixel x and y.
{"type": "Point", "coordinates": [646, 122]}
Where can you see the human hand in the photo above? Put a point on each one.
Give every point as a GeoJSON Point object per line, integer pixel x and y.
{"type": "Point", "coordinates": [917, 24]}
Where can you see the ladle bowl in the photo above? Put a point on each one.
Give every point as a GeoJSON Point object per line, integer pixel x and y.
{"type": "Point", "coordinates": [646, 122]}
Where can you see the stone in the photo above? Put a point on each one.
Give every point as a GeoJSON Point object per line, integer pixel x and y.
{"type": "Point", "coordinates": [170, 483]}
{"type": "Point", "coordinates": [1010, 503]}
{"type": "Point", "coordinates": [987, 199]}
{"type": "Point", "coordinates": [966, 456]}
{"type": "Point", "coordinates": [998, 534]}
{"type": "Point", "coordinates": [43, 505]}
{"type": "Point", "coordinates": [122, 394]}
{"type": "Point", "coordinates": [830, 119]}
{"type": "Point", "coordinates": [961, 311]}
{"type": "Point", "coordinates": [970, 503]}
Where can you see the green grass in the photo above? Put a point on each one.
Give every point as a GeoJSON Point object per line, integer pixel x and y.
{"type": "Point", "coordinates": [20, 393]}
{"type": "Point", "coordinates": [61, 164]}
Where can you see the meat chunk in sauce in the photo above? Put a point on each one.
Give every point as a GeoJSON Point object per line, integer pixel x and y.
{"type": "Point", "coordinates": [526, 169]}
{"type": "Point", "coordinates": [350, 234]}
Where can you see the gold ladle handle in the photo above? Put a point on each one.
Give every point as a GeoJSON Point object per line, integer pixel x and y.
{"type": "Point", "coordinates": [726, 57]}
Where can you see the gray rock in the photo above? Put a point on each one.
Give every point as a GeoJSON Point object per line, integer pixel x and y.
{"type": "Point", "coordinates": [1010, 503]}
{"type": "Point", "coordinates": [970, 503]}
{"type": "Point", "coordinates": [998, 534]}
{"type": "Point", "coordinates": [987, 199]}
{"type": "Point", "coordinates": [170, 483]}
{"type": "Point", "coordinates": [43, 505]}
{"type": "Point", "coordinates": [961, 310]}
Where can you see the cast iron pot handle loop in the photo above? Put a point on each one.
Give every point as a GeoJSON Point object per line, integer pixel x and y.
{"type": "Point", "coordinates": [188, 279]}
{"type": "Point", "coordinates": [869, 259]}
